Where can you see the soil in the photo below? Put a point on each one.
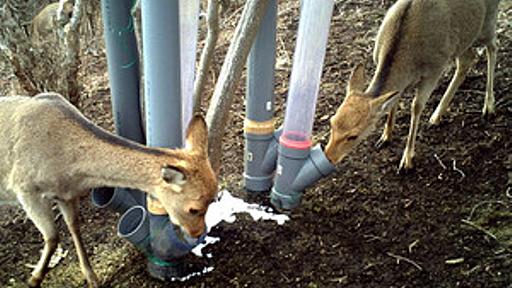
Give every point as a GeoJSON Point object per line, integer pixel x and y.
{"type": "Point", "coordinates": [448, 223]}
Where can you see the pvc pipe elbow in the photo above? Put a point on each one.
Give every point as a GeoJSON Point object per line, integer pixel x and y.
{"type": "Point", "coordinates": [315, 167]}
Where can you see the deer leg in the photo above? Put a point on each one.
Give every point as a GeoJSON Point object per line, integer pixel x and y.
{"type": "Point", "coordinates": [425, 88]}
{"type": "Point", "coordinates": [70, 213]}
{"type": "Point", "coordinates": [464, 63]}
{"type": "Point", "coordinates": [39, 210]}
{"type": "Point", "coordinates": [388, 128]}
{"type": "Point", "coordinates": [491, 65]}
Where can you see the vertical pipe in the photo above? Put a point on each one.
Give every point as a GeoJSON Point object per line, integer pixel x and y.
{"type": "Point", "coordinates": [307, 69]}
{"type": "Point", "coordinates": [161, 42]}
{"type": "Point", "coordinates": [124, 75]}
{"type": "Point", "coordinates": [260, 69]}
{"type": "Point", "coordinates": [123, 68]}
{"type": "Point", "coordinates": [259, 122]}
{"type": "Point", "coordinates": [189, 21]}
{"type": "Point", "coordinates": [162, 95]}
{"type": "Point", "coordinates": [295, 142]}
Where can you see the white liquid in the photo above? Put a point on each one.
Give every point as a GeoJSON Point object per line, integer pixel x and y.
{"type": "Point", "coordinates": [225, 209]}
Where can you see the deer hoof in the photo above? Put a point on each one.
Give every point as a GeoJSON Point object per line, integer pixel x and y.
{"type": "Point", "coordinates": [488, 112]}
{"type": "Point", "coordinates": [406, 165]}
{"type": "Point", "coordinates": [34, 281]}
{"type": "Point", "coordinates": [92, 281]}
{"type": "Point", "coordinates": [434, 120]}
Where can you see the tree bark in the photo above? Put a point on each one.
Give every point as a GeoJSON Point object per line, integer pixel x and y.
{"type": "Point", "coordinates": [229, 77]}
{"type": "Point", "coordinates": [207, 54]}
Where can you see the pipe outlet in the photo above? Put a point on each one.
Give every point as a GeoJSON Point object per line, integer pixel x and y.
{"type": "Point", "coordinates": [117, 199]}
{"type": "Point", "coordinates": [134, 227]}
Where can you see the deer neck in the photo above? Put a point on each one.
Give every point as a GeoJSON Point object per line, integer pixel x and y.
{"type": "Point", "coordinates": [124, 164]}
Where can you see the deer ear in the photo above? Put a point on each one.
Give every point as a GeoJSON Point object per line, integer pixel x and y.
{"type": "Point", "coordinates": [173, 176]}
{"type": "Point", "coordinates": [385, 102]}
{"type": "Point", "coordinates": [357, 80]}
{"type": "Point", "coordinates": [197, 136]}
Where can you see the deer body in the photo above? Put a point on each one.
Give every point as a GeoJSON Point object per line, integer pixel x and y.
{"type": "Point", "coordinates": [417, 40]}
{"type": "Point", "coordinates": [49, 151]}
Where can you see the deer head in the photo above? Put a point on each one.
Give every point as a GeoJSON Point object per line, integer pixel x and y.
{"type": "Point", "coordinates": [356, 117]}
{"type": "Point", "coordinates": [188, 186]}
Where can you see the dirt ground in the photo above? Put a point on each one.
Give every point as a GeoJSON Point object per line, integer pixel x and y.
{"type": "Point", "coordinates": [364, 226]}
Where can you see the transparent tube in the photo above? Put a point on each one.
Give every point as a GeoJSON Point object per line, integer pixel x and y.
{"type": "Point", "coordinates": [189, 21]}
{"type": "Point", "coordinates": [308, 61]}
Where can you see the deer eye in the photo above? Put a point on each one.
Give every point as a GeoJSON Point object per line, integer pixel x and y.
{"type": "Point", "coordinates": [351, 137]}
{"type": "Point", "coordinates": [193, 211]}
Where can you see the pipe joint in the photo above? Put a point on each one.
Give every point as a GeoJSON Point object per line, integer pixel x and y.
{"type": "Point", "coordinates": [297, 169]}
{"type": "Point", "coordinates": [260, 160]}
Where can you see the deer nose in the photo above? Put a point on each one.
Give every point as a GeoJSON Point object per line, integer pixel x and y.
{"type": "Point", "coordinates": [195, 233]}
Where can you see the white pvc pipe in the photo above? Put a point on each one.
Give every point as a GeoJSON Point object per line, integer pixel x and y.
{"type": "Point", "coordinates": [189, 21]}
{"type": "Point", "coordinates": [308, 61]}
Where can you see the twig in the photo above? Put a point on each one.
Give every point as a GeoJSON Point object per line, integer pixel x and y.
{"type": "Point", "coordinates": [400, 258]}
{"type": "Point", "coordinates": [482, 203]}
{"type": "Point", "coordinates": [413, 244]}
{"type": "Point", "coordinates": [458, 170]}
{"type": "Point", "coordinates": [205, 61]}
{"type": "Point", "coordinates": [440, 162]}
{"type": "Point", "coordinates": [480, 228]}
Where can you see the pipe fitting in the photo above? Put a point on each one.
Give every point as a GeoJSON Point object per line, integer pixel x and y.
{"type": "Point", "coordinates": [297, 169]}
{"type": "Point", "coordinates": [260, 160]}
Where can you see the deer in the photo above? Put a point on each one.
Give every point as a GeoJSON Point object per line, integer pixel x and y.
{"type": "Point", "coordinates": [415, 43]}
{"type": "Point", "coordinates": [45, 22]}
{"type": "Point", "coordinates": [49, 152]}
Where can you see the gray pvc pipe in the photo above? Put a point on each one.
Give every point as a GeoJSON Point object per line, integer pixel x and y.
{"type": "Point", "coordinates": [297, 170]}
{"type": "Point", "coordinates": [260, 104]}
{"type": "Point", "coordinates": [134, 227]}
{"type": "Point", "coordinates": [123, 68]}
{"type": "Point", "coordinates": [124, 75]}
{"type": "Point", "coordinates": [260, 69]}
{"type": "Point", "coordinates": [118, 199]}
{"type": "Point", "coordinates": [161, 42]}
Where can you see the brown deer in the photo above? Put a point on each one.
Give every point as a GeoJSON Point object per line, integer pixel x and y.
{"type": "Point", "coordinates": [415, 43]}
{"type": "Point", "coordinates": [51, 152]}
{"type": "Point", "coordinates": [45, 22]}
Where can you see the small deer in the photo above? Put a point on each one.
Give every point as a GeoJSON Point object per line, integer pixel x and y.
{"type": "Point", "coordinates": [415, 43]}
{"type": "Point", "coordinates": [50, 152]}
{"type": "Point", "coordinates": [45, 22]}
